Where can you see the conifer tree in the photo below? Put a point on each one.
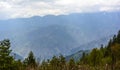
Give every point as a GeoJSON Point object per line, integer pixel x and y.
{"type": "Point", "coordinates": [6, 61]}
{"type": "Point", "coordinates": [62, 62]}
{"type": "Point", "coordinates": [30, 60]}
{"type": "Point", "coordinates": [72, 64]}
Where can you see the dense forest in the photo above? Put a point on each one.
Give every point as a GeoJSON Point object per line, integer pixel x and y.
{"type": "Point", "coordinates": [104, 58]}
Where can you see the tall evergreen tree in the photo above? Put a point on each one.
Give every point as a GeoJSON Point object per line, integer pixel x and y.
{"type": "Point", "coordinates": [118, 37]}
{"type": "Point", "coordinates": [6, 61]}
{"type": "Point", "coordinates": [62, 62]}
{"type": "Point", "coordinates": [72, 64]}
{"type": "Point", "coordinates": [30, 60]}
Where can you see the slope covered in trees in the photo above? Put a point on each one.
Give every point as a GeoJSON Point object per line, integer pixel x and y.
{"type": "Point", "coordinates": [104, 58]}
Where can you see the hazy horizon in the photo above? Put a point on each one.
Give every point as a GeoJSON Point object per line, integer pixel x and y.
{"type": "Point", "coordinates": [27, 8]}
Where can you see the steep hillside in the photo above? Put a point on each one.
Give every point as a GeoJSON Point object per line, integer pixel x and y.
{"type": "Point", "coordinates": [77, 55]}
{"type": "Point", "coordinates": [52, 35]}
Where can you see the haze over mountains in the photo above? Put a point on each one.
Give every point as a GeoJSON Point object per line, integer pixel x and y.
{"type": "Point", "coordinates": [51, 35]}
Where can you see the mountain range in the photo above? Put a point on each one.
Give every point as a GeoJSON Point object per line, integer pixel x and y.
{"type": "Point", "coordinates": [63, 34]}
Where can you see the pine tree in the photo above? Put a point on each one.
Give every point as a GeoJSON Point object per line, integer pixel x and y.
{"type": "Point", "coordinates": [6, 61]}
{"type": "Point", "coordinates": [30, 61]}
{"type": "Point", "coordinates": [72, 64]}
{"type": "Point", "coordinates": [118, 37]}
{"type": "Point", "coordinates": [95, 57]}
{"type": "Point", "coordinates": [62, 62]}
{"type": "Point", "coordinates": [55, 63]}
{"type": "Point", "coordinates": [83, 60]}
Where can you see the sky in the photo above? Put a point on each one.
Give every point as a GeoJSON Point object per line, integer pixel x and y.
{"type": "Point", "coordinates": [28, 8]}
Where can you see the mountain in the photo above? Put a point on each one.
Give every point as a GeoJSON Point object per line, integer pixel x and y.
{"type": "Point", "coordinates": [52, 35]}
{"type": "Point", "coordinates": [76, 56]}
{"type": "Point", "coordinates": [93, 44]}
{"type": "Point", "coordinates": [16, 56]}
{"type": "Point", "coordinates": [77, 52]}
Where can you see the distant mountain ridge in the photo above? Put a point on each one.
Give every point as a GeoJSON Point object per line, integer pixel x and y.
{"type": "Point", "coordinates": [52, 35]}
{"type": "Point", "coordinates": [76, 53]}
{"type": "Point", "coordinates": [93, 44]}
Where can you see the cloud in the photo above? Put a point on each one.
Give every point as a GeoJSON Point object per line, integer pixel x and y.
{"type": "Point", "coordinates": [28, 8]}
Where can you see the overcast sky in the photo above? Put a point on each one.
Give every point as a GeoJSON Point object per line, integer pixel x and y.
{"type": "Point", "coordinates": [28, 8]}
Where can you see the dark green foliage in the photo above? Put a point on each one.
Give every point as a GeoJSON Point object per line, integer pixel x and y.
{"type": "Point", "coordinates": [72, 64]}
{"type": "Point", "coordinates": [118, 37]}
{"type": "Point", "coordinates": [106, 57]}
{"type": "Point", "coordinates": [62, 62]}
{"type": "Point", "coordinates": [83, 58]}
{"type": "Point", "coordinates": [95, 57]}
{"type": "Point", "coordinates": [30, 61]}
{"type": "Point", "coordinates": [56, 63]}
{"type": "Point", "coordinates": [6, 61]}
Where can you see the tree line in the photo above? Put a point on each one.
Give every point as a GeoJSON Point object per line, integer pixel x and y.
{"type": "Point", "coordinates": [103, 58]}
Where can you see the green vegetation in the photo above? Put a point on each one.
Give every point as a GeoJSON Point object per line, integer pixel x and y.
{"type": "Point", "coordinates": [103, 58]}
{"type": "Point", "coordinates": [7, 62]}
